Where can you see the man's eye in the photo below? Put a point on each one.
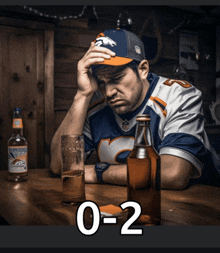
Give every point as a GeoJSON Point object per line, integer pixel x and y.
{"type": "Point", "coordinates": [116, 81]}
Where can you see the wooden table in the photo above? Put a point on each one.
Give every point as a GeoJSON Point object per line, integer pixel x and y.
{"type": "Point", "coordinates": [38, 202]}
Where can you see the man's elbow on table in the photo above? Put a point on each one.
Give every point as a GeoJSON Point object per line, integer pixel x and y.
{"type": "Point", "coordinates": [55, 167]}
{"type": "Point", "coordinates": [175, 172]}
{"type": "Point", "coordinates": [55, 163]}
{"type": "Point", "coordinates": [55, 156]}
{"type": "Point", "coordinates": [174, 183]}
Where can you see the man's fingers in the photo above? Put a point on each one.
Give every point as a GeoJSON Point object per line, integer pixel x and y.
{"type": "Point", "coordinates": [94, 58]}
{"type": "Point", "coordinates": [88, 62]}
{"type": "Point", "coordinates": [105, 50]}
{"type": "Point", "coordinates": [95, 55]}
{"type": "Point", "coordinates": [99, 55]}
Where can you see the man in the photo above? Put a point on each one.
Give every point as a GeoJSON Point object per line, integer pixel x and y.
{"type": "Point", "coordinates": [115, 66]}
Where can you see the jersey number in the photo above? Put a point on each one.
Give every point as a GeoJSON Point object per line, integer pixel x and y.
{"type": "Point", "coordinates": [170, 82]}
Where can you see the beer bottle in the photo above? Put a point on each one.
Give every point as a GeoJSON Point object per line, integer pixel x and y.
{"type": "Point", "coordinates": [17, 150]}
{"type": "Point", "coordinates": [143, 167]}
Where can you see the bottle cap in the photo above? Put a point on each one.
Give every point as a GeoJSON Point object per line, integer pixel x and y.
{"type": "Point", "coordinates": [143, 117]}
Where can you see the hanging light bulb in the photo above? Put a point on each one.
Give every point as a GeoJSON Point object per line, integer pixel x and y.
{"type": "Point", "coordinates": [124, 21]}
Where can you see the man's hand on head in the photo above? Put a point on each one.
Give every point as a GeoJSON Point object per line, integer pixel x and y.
{"type": "Point", "coordinates": [87, 84]}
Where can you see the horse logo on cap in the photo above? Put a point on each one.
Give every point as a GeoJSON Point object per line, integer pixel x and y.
{"type": "Point", "coordinates": [104, 40]}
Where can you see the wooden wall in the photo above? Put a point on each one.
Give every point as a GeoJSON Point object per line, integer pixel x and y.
{"type": "Point", "coordinates": [22, 70]}
{"type": "Point", "coordinates": [27, 81]}
{"type": "Point", "coordinates": [73, 37]}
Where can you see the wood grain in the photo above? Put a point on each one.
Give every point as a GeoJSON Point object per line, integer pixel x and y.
{"type": "Point", "coordinates": [82, 23]}
{"type": "Point", "coordinates": [65, 67]}
{"type": "Point", "coordinates": [38, 202]}
{"type": "Point", "coordinates": [65, 80]}
{"type": "Point", "coordinates": [30, 24]}
{"type": "Point", "coordinates": [69, 53]}
{"type": "Point", "coordinates": [22, 61]}
{"type": "Point", "coordinates": [74, 38]}
{"type": "Point", "coordinates": [64, 98]}
{"type": "Point", "coordinates": [49, 93]}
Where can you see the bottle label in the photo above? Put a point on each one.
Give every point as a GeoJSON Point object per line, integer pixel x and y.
{"type": "Point", "coordinates": [17, 123]}
{"type": "Point", "coordinates": [17, 159]}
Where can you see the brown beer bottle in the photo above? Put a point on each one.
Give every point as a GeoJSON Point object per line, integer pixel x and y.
{"type": "Point", "coordinates": [17, 150]}
{"type": "Point", "coordinates": [143, 167]}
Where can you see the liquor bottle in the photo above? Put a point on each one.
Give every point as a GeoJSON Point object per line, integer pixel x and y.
{"type": "Point", "coordinates": [143, 167]}
{"type": "Point", "coordinates": [17, 150]}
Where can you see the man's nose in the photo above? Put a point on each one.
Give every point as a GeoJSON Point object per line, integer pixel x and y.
{"type": "Point", "coordinates": [110, 90]}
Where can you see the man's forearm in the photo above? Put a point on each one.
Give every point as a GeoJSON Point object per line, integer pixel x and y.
{"type": "Point", "coordinates": [115, 174]}
{"type": "Point", "coordinates": [175, 173]}
{"type": "Point", "coordinates": [72, 124]}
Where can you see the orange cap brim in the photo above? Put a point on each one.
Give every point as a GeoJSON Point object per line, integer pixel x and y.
{"type": "Point", "coordinates": [116, 61]}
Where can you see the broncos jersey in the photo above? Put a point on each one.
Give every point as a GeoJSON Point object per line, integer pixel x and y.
{"type": "Point", "coordinates": [177, 126]}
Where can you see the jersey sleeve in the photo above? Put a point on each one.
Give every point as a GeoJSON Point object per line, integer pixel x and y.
{"type": "Point", "coordinates": [183, 127]}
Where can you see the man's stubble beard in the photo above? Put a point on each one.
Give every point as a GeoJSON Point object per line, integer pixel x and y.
{"type": "Point", "coordinates": [130, 107]}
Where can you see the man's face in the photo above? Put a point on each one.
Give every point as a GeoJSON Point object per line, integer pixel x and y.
{"type": "Point", "coordinates": [123, 92]}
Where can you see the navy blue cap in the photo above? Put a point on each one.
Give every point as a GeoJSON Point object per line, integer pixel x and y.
{"type": "Point", "coordinates": [125, 44]}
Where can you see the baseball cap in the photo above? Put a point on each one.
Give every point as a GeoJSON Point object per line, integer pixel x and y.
{"type": "Point", "coordinates": [125, 44]}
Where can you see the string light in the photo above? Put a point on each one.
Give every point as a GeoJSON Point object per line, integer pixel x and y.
{"type": "Point", "coordinates": [94, 12]}
{"type": "Point", "coordinates": [57, 17]}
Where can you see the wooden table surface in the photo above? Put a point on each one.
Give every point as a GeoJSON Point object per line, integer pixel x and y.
{"type": "Point", "coordinates": [38, 201]}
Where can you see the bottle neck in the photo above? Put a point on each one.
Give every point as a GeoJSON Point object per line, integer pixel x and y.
{"type": "Point", "coordinates": [17, 127]}
{"type": "Point", "coordinates": [17, 131]}
{"type": "Point", "coordinates": [143, 134]}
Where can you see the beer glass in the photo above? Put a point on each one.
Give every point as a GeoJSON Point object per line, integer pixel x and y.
{"type": "Point", "coordinates": [72, 174]}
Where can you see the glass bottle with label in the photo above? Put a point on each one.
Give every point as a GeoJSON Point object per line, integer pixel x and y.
{"type": "Point", "coordinates": [143, 167]}
{"type": "Point", "coordinates": [17, 150]}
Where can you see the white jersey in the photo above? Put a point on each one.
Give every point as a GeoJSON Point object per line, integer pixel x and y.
{"type": "Point", "coordinates": [177, 126]}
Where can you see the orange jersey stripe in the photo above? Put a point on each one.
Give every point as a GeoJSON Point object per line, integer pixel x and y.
{"type": "Point", "coordinates": [155, 100]}
{"type": "Point", "coordinates": [160, 101]}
